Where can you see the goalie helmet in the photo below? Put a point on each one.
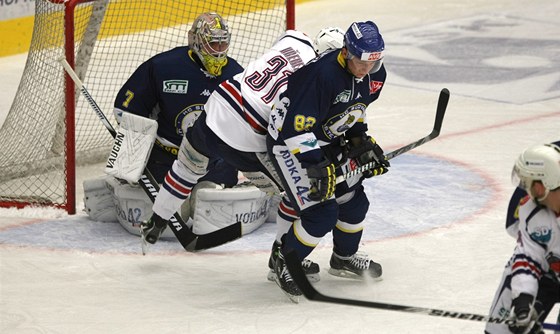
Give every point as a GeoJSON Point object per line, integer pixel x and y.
{"type": "Point", "coordinates": [538, 163]}
{"type": "Point", "coordinates": [363, 41]}
{"type": "Point", "coordinates": [330, 38]}
{"type": "Point", "coordinates": [209, 39]}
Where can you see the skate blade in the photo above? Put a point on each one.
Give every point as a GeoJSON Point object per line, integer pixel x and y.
{"type": "Point", "coordinates": [348, 274]}
{"type": "Point", "coordinates": [144, 244]}
{"type": "Point", "coordinates": [313, 278]}
{"type": "Point", "coordinates": [293, 298]}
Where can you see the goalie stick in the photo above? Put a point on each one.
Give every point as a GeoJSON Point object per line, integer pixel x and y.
{"type": "Point", "coordinates": [440, 112]}
{"type": "Point", "coordinates": [190, 241]}
{"type": "Point", "coordinates": [298, 275]}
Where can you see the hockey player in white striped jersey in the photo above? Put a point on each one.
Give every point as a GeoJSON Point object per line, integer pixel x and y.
{"type": "Point", "coordinates": [233, 127]}
{"type": "Point", "coordinates": [530, 284]}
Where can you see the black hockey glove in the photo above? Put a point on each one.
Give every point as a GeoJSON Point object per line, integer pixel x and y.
{"type": "Point", "coordinates": [323, 180]}
{"type": "Point", "coordinates": [365, 150]}
{"type": "Point", "coordinates": [524, 315]}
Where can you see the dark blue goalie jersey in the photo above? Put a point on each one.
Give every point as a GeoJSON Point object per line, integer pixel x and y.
{"type": "Point", "coordinates": [172, 88]}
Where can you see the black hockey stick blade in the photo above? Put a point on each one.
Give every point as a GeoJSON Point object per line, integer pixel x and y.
{"type": "Point", "coordinates": [216, 238]}
{"type": "Point", "coordinates": [298, 275]}
{"type": "Point", "coordinates": [190, 241]}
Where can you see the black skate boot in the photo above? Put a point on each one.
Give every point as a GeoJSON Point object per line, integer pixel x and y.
{"type": "Point", "coordinates": [151, 230]}
{"type": "Point", "coordinates": [356, 266]}
{"type": "Point", "coordinates": [310, 268]}
{"type": "Point", "coordinates": [285, 281]}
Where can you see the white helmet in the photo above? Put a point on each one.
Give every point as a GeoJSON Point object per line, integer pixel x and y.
{"type": "Point", "coordinates": [328, 39]}
{"type": "Point", "coordinates": [538, 163]}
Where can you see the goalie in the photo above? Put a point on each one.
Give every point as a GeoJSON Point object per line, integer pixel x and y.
{"type": "Point", "coordinates": [163, 96]}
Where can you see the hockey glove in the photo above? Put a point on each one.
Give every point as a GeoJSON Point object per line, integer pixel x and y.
{"type": "Point", "coordinates": [524, 314]}
{"type": "Point", "coordinates": [365, 150]}
{"type": "Point", "coordinates": [323, 180]}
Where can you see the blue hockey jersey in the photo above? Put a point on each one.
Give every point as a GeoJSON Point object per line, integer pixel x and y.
{"type": "Point", "coordinates": [172, 88]}
{"type": "Point", "coordinates": [322, 102]}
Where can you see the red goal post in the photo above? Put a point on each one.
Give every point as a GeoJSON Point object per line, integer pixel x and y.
{"type": "Point", "coordinates": [50, 129]}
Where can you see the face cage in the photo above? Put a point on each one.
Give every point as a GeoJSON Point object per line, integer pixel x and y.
{"type": "Point", "coordinates": [212, 59]}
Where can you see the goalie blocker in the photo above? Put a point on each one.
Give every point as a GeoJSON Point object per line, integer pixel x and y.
{"type": "Point", "coordinates": [209, 208]}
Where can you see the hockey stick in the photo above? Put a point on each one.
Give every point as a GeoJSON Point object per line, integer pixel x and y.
{"type": "Point", "coordinates": [440, 112]}
{"type": "Point", "coordinates": [298, 275]}
{"type": "Point", "coordinates": [190, 241]}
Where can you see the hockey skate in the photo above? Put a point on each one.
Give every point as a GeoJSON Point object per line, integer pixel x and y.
{"type": "Point", "coordinates": [151, 230]}
{"type": "Point", "coordinates": [357, 266]}
{"type": "Point", "coordinates": [285, 281]}
{"type": "Point", "coordinates": [310, 268]}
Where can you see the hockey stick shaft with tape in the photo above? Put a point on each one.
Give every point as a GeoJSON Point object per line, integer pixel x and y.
{"type": "Point", "coordinates": [440, 113]}
{"type": "Point", "coordinates": [298, 275]}
{"type": "Point", "coordinates": [190, 241]}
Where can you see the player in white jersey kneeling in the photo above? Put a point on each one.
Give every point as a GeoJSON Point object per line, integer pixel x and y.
{"type": "Point", "coordinates": [530, 284]}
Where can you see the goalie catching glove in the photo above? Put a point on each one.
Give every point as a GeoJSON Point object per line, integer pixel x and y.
{"type": "Point", "coordinates": [365, 150]}
{"type": "Point", "coordinates": [322, 178]}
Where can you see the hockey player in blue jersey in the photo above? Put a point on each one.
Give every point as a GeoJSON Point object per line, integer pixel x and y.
{"type": "Point", "coordinates": [172, 88]}
{"type": "Point", "coordinates": [317, 126]}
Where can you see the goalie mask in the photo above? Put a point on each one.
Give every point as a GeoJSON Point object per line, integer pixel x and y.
{"type": "Point", "coordinates": [538, 163]}
{"type": "Point", "coordinates": [364, 42]}
{"type": "Point", "coordinates": [209, 39]}
{"type": "Point", "coordinates": [330, 38]}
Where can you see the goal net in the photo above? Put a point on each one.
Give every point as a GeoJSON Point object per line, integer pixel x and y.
{"type": "Point", "coordinates": [50, 128]}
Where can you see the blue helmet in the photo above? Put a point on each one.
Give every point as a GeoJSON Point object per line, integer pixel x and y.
{"type": "Point", "coordinates": [364, 41]}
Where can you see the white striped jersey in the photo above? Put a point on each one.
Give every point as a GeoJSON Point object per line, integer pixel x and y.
{"type": "Point", "coordinates": [238, 110]}
{"type": "Point", "coordinates": [538, 247]}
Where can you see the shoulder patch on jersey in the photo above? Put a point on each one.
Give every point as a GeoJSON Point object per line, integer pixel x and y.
{"type": "Point", "coordinates": [343, 97]}
{"type": "Point", "coordinates": [541, 235]}
{"type": "Point", "coordinates": [175, 86]}
{"type": "Point", "coordinates": [375, 86]}
{"type": "Point", "coordinates": [524, 200]}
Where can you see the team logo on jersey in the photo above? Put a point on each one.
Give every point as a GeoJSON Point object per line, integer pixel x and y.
{"type": "Point", "coordinates": [175, 86]}
{"type": "Point", "coordinates": [340, 123]}
{"type": "Point", "coordinates": [343, 97]}
{"type": "Point", "coordinates": [375, 86]}
{"type": "Point", "coordinates": [187, 117]}
{"type": "Point", "coordinates": [347, 124]}
{"type": "Point", "coordinates": [309, 142]}
{"type": "Point", "coordinates": [541, 235]}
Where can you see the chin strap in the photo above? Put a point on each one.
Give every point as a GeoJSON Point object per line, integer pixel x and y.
{"type": "Point", "coordinates": [542, 198]}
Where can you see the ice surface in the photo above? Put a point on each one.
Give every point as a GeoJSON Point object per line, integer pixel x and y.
{"type": "Point", "coordinates": [436, 222]}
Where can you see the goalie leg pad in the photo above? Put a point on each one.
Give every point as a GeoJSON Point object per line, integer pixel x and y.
{"type": "Point", "coordinates": [218, 208]}
{"type": "Point", "coordinates": [262, 181]}
{"type": "Point", "coordinates": [132, 206]}
{"type": "Point", "coordinates": [98, 200]}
